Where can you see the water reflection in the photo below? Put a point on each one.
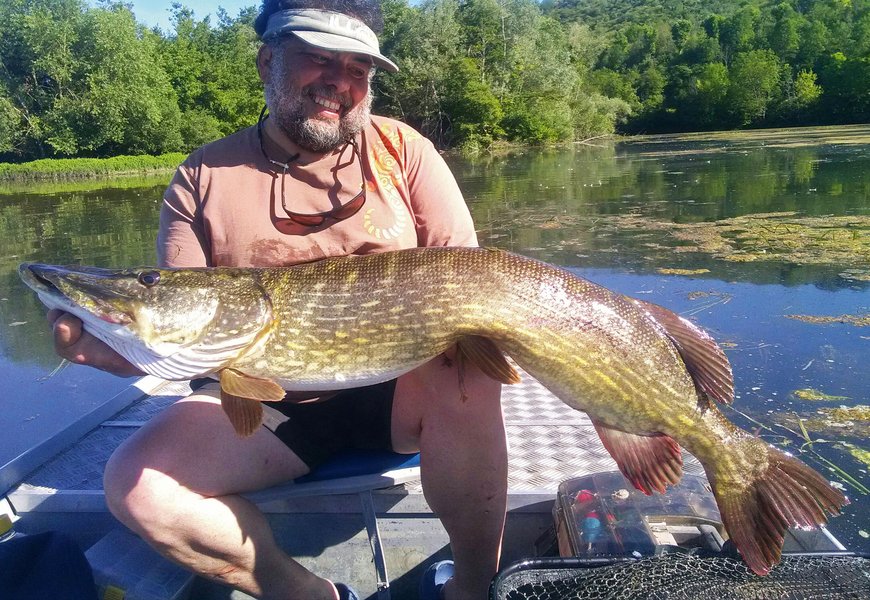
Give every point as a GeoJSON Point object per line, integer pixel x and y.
{"type": "Point", "coordinates": [106, 227]}
{"type": "Point", "coordinates": [617, 205]}
{"type": "Point", "coordinates": [764, 225]}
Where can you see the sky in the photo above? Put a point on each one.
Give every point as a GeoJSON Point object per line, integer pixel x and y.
{"type": "Point", "coordinates": [156, 12]}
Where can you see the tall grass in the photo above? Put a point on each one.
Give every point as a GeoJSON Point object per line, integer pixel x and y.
{"type": "Point", "coordinates": [76, 168]}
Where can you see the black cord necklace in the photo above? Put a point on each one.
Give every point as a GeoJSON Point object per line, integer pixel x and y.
{"type": "Point", "coordinates": [284, 165]}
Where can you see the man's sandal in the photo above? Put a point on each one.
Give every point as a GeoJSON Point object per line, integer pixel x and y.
{"type": "Point", "coordinates": [432, 583]}
{"type": "Point", "coordinates": [345, 592]}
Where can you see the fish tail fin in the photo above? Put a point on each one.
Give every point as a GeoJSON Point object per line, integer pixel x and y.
{"type": "Point", "coordinates": [757, 513]}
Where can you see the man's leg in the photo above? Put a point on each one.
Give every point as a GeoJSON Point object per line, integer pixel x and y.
{"type": "Point", "coordinates": [175, 483]}
{"type": "Point", "coordinates": [463, 454]}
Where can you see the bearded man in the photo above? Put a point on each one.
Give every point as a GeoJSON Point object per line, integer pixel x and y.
{"type": "Point", "coordinates": [317, 176]}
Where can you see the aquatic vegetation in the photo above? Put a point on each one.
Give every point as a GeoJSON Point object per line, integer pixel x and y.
{"type": "Point", "coordinates": [831, 427]}
{"type": "Point", "coordinates": [816, 395]}
{"type": "Point", "coordinates": [856, 320]}
{"type": "Point", "coordinates": [665, 271]}
{"type": "Point", "coordinates": [860, 454]}
{"type": "Point", "coordinates": [781, 236]}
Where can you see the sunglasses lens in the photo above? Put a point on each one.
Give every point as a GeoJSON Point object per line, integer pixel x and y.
{"type": "Point", "coordinates": [307, 220]}
{"type": "Point", "coordinates": [350, 209]}
{"type": "Point", "coordinates": [345, 211]}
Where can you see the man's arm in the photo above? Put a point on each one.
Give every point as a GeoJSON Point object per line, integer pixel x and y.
{"type": "Point", "coordinates": [440, 211]}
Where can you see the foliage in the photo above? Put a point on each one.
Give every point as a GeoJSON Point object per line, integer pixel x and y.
{"type": "Point", "coordinates": [88, 167]}
{"type": "Point", "coordinates": [78, 80]}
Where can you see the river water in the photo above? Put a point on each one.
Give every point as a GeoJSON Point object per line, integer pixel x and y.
{"type": "Point", "coordinates": [763, 238]}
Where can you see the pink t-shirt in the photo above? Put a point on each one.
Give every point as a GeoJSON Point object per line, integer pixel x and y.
{"type": "Point", "coordinates": [224, 205]}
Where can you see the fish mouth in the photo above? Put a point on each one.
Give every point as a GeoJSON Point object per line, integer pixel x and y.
{"type": "Point", "coordinates": [76, 290]}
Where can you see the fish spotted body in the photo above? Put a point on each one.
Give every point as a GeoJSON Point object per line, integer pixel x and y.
{"type": "Point", "coordinates": [648, 379]}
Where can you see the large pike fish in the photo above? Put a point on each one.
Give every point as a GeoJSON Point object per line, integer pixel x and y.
{"type": "Point", "coordinates": [649, 379]}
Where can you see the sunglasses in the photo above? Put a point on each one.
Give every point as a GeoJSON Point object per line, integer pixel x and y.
{"type": "Point", "coordinates": [339, 213]}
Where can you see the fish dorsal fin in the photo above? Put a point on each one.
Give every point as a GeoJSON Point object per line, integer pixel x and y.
{"type": "Point", "coordinates": [484, 353]}
{"type": "Point", "coordinates": [704, 359]}
{"type": "Point", "coordinates": [649, 462]}
{"type": "Point", "coordinates": [241, 396]}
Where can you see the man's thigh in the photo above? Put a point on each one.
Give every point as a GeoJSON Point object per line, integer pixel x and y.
{"type": "Point", "coordinates": [442, 395]}
{"type": "Point", "coordinates": [193, 442]}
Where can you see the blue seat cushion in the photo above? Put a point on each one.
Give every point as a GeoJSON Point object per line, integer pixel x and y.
{"type": "Point", "coordinates": [353, 463]}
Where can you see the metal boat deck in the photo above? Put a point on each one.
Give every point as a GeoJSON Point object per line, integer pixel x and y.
{"type": "Point", "coordinates": [548, 443]}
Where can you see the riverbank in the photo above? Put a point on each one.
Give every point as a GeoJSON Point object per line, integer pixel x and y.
{"type": "Point", "coordinates": [83, 168]}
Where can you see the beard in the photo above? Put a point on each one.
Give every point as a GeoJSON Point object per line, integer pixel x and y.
{"type": "Point", "coordinates": [286, 104]}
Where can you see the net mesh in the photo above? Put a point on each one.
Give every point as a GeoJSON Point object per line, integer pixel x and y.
{"type": "Point", "coordinates": [683, 576]}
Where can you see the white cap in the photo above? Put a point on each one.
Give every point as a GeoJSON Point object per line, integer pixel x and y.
{"type": "Point", "coordinates": [328, 30]}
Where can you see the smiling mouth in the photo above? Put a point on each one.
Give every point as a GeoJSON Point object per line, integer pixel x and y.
{"type": "Point", "coordinates": [326, 103]}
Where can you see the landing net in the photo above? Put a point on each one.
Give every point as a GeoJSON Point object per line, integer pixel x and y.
{"type": "Point", "coordinates": [683, 577]}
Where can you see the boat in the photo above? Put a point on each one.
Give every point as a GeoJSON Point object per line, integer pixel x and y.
{"type": "Point", "coordinates": [555, 455]}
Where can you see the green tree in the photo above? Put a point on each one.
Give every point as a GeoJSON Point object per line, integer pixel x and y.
{"type": "Point", "coordinates": [85, 81]}
{"type": "Point", "coordinates": [10, 125]}
{"type": "Point", "coordinates": [846, 85]}
{"type": "Point", "coordinates": [681, 31]}
{"type": "Point", "coordinates": [538, 103]}
{"type": "Point", "coordinates": [784, 36]}
{"type": "Point", "coordinates": [475, 113]}
{"type": "Point", "coordinates": [213, 71]}
{"type": "Point", "coordinates": [711, 88]}
{"type": "Point", "coordinates": [126, 104]}
{"type": "Point", "coordinates": [806, 91]}
{"type": "Point", "coordinates": [738, 33]}
{"type": "Point", "coordinates": [485, 37]}
{"type": "Point", "coordinates": [613, 85]}
{"type": "Point", "coordinates": [424, 41]}
{"type": "Point", "coordinates": [815, 41]}
{"type": "Point", "coordinates": [754, 82]}
{"type": "Point", "coordinates": [37, 41]}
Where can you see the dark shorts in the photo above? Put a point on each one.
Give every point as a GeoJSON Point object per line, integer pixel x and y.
{"type": "Point", "coordinates": [357, 418]}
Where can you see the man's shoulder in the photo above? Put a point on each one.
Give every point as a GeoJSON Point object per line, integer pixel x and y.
{"type": "Point", "coordinates": [400, 136]}
{"type": "Point", "coordinates": [393, 127]}
{"type": "Point", "coordinates": [231, 148]}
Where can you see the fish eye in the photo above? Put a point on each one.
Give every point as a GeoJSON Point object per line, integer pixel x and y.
{"type": "Point", "coordinates": [149, 278]}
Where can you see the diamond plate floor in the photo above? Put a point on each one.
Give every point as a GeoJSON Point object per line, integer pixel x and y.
{"type": "Point", "coordinates": [548, 443]}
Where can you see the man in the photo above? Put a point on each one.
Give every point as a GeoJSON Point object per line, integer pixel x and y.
{"type": "Point", "coordinates": [318, 176]}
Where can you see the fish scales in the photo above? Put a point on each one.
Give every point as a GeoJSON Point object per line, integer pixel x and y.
{"type": "Point", "coordinates": [648, 379]}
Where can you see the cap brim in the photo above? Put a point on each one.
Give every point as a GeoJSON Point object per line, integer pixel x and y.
{"type": "Point", "coordinates": [340, 43]}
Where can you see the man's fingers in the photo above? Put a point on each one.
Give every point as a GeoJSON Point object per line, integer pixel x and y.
{"type": "Point", "coordinates": [67, 331]}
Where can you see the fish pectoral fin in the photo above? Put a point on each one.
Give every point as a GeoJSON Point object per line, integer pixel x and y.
{"type": "Point", "coordinates": [244, 413]}
{"type": "Point", "coordinates": [245, 386]}
{"type": "Point", "coordinates": [485, 354]}
{"type": "Point", "coordinates": [241, 396]}
{"type": "Point", "coordinates": [649, 462]}
{"type": "Point", "coordinates": [704, 359]}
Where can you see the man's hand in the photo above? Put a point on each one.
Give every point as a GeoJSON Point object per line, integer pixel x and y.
{"type": "Point", "coordinates": [78, 346]}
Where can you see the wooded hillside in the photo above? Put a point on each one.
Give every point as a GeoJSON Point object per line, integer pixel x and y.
{"type": "Point", "coordinates": [88, 81]}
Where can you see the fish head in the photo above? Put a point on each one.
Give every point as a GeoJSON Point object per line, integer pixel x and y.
{"type": "Point", "coordinates": [149, 315]}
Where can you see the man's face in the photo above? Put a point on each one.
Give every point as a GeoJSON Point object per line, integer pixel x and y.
{"type": "Point", "coordinates": [320, 99]}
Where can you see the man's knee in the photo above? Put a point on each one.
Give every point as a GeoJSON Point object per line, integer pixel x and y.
{"type": "Point", "coordinates": [137, 496]}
